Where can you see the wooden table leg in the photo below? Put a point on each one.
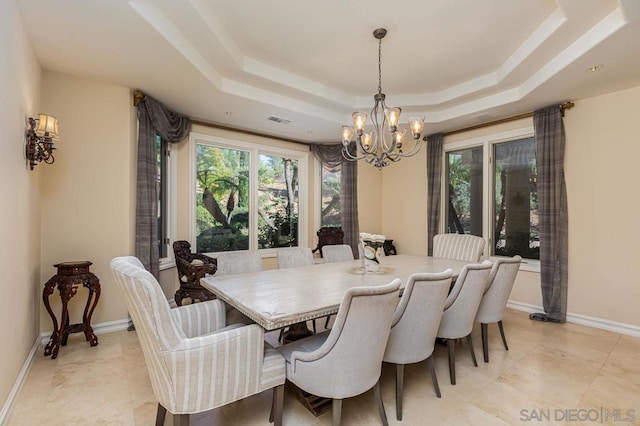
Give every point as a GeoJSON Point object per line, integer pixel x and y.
{"type": "Point", "coordinates": [296, 332]}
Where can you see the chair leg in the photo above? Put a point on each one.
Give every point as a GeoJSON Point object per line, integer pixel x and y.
{"type": "Point", "coordinates": [504, 339]}
{"type": "Point", "coordinates": [181, 420]}
{"type": "Point", "coordinates": [485, 341]}
{"type": "Point", "coordinates": [160, 416]}
{"type": "Point", "coordinates": [378, 396]}
{"type": "Point", "coordinates": [451, 346]}
{"type": "Point", "coordinates": [473, 353]}
{"type": "Point", "coordinates": [399, 389]}
{"type": "Point", "coordinates": [336, 411]}
{"type": "Point", "coordinates": [276, 406]}
{"type": "Point", "coordinates": [434, 378]}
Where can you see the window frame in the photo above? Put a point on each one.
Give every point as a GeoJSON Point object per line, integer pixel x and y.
{"type": "Point", "coordinates": [254, 150]}
{"type": "Point", "coordinates": [318, 195]}
{"type": "Point", "coordinates": [171, 212]}
{"type": "Point", "coordinates": [488, 185]}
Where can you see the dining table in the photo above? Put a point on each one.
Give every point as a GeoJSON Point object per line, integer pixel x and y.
{"type": "Point", "coordinates": [278, 298]}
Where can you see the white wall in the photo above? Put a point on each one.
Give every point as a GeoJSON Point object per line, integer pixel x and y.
{"type": "Point", "coordinates": [20, 207]}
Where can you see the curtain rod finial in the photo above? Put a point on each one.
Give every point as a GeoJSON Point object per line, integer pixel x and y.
{"type": "Point", "coordinates": [565, 106]}
{"type": "Point", "coordinates": [138, 97]}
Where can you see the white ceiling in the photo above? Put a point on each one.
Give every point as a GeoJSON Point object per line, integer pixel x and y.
{"type": "Point", "coordinates": [455, 62]}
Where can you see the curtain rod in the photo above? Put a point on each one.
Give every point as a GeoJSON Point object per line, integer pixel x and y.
{"type": "Point", "coordinates": [564, 106]}
{"type": "Point", "coordinates": [138, 97]}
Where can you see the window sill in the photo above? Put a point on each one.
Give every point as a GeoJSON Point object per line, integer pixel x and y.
{"type": "Point", "coordinates": [529, 265]}
{"type": "Point", "coordinates": [167, 264]}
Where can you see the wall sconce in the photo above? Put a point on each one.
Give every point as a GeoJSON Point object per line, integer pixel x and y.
{"type": "Point", "coordinates": [41, 133]}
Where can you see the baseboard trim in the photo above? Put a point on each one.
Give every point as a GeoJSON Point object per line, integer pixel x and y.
{"type": "Point", "coordinates": [603, 324]}
{"type": "Point", "coordinates": [8, 404]}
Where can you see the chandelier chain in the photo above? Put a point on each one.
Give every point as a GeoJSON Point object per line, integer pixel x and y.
{"type": "Point", "coordinates": [380, 65]}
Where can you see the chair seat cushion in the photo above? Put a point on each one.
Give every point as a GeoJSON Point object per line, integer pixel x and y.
{"type": "Point", "coordinates": [308, 344]}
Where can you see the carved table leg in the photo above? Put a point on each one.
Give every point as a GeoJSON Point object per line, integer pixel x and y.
{"type": "Point", "coordinates": [94, 293]}
{"type": "Point", "coordinates": [48, 290]}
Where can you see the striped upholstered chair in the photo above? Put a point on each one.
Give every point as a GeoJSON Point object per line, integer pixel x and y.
{"type": "Point", "coordinates": [184, 349]}
{"type": "Point", "coordinates": [458, 247]}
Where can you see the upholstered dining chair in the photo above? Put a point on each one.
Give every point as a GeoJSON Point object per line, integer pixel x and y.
{"type": "Point", "coordinates": [415, 324]}
{"type": "Point", "coordinates": [346, 361]}
{"type": "Point", "coordinates": [458, 247]}
{"type": "Point", "coordinates": [503, 275]}
{"type": "Point", "coordinates": [185, 348]}
{"type": "Point", "coordinates": [337, 253]}
{"type": "Point", "coordinates": [460, 310]}
{"type": "Point", "coordinates": [291, 257]}
{"type": "Point", "coordinates": [237, 262]}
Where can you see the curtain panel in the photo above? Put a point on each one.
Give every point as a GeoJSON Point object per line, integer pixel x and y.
{"type": "Point", "coordinates": [153, 119]}
{"type": "Point", "coordinates": [434, 186]}
{"type": "Point", "coordinates": [331, 156]}
{"type": "Point", "coordinates": [552, 211]}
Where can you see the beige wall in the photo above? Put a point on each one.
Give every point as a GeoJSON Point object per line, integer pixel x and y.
{"type": "Point", "coordinates": [601, 154]}
{"type": "Point", "coordinates": [20, 206]}
{"type": "Point", "coordinates": [603, 148]}
{"type": "Point", "coordinates": [87, 194]}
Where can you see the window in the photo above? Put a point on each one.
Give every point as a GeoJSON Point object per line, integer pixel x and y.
{"type": "Point", "coordinates": [330, 196]}
{"type": "Point", "coordinates": [247, 196]}
{"type": "Point", "coordinates": [515, 199]}
{"type": "Point", "coordinates": [165, 172]}
{"type": "Point", "coordinates": [464, 191]}
{"type": "Point", "coordinates": [278, 203]}
{"type": "Point", "coordinates": [490, 191]}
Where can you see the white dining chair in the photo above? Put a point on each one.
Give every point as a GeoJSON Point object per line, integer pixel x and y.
{"type": "Point", "coordinates": [291, 257]}
{"type": "Point", "coordinates": [501, 279]}
{"type": "Point", "coordinates": [458, 247]}
{"type": "Point", "coordinates": [461, 308]}
{"type": "Point", "coordinates": [185, 347]}
{"type": "Point", "coordinates": [237, 262]}
{"type": "Point", "coordinates": [414, 326]}
{"type": "Point", "coordinates": [346, 361]}
{"type": "Point", "coordinates": [337, 253]}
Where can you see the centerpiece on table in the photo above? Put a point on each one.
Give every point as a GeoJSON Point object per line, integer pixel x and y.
{"type": "Point", "coordinates": [372, 245]}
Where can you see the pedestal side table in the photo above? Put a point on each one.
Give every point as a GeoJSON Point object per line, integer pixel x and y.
{"type": "Point", "coordinates": [69, 277]}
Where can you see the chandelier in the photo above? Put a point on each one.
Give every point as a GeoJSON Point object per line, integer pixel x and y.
{"type": "Point", "coordinates": [383, 144]}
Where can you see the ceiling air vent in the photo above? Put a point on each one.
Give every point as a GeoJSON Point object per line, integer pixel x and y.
{"type": "Point", "coordinates": [278, 119]}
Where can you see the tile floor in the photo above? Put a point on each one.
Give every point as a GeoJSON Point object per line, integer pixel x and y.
{"type": "Point", "coordinates": [552, 373]}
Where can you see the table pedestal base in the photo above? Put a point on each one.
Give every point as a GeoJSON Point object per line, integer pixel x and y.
{"type": "Point", "coordinates": [296, 332]}
{"type": "Point", "coordinates": [316, 404]}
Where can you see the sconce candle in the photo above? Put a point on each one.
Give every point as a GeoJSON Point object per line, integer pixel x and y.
{"type": "Point", "coordinates": [40, 136]}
